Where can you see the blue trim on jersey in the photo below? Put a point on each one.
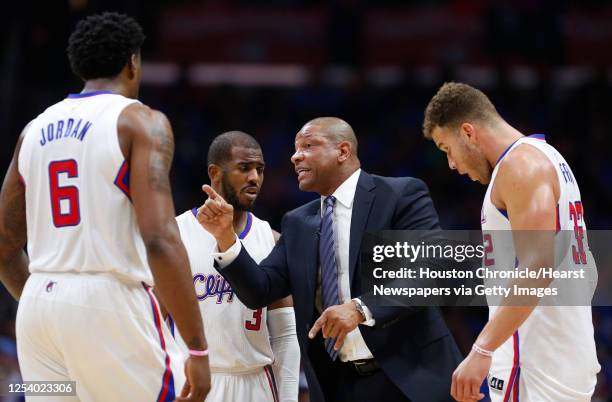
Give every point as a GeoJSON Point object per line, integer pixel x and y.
{"type": "Point", "coordinates": [167, 392]}
{"type": "Point", "coordinates": [122, 180]}
{"type": "Point", "coordinates": [537, 136]}
{"type": "Point", "coordinates": [170, 322]}
{"type": "Point", "coordinates": [247, 227]}
{"type": "Point", "coordinates": [518, 382]}
{"type": "Point", "coordinates": [518, 369]}
{"type": "Point", "coordinates": [504, 153]}
{"type": "Point", "coordinates": [171, 392]}
{"type": "Point", "coordinates": [513, 381]}
{"type": "Point", "coordinates": [88, 94]}
{"type": "Point", "coordinates": [503, 212]}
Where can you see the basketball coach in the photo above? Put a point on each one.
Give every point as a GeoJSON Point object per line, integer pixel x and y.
{"type": "Point", "coordinates": [351, 352]}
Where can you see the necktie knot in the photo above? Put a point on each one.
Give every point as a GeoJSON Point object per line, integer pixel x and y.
{"type": "Point", "coordinates": [330, 201]}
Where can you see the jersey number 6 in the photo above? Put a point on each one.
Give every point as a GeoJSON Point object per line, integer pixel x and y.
{"type": "Point", "coordinates": [72, 216]}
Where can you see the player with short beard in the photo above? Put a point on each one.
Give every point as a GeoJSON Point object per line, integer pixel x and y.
{"type": "Point", "coordinates": [254, 354]}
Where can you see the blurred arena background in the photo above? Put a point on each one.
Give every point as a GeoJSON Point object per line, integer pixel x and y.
{"type": "Point", "coordinates": [268, 66]}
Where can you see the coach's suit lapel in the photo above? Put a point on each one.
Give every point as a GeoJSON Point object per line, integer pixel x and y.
{"type": "Point", "coordinates": [310, 253]}
{"type": "Point", "coordinates": [362, 204]}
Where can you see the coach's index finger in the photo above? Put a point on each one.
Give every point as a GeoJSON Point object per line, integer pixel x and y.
{"type": "Point", "coordinates": [317, 326]}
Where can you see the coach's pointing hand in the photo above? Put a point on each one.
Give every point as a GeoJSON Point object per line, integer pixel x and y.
{"type": "Point", "coordinates": [336, 322]}
{"type": "Point", "coordinates": [217, 216]}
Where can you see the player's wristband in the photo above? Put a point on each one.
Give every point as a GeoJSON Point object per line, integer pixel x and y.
{"type": "Point", "coordinates": [482, 351]}
{"type": "Point", "coordinates": [198, 353]}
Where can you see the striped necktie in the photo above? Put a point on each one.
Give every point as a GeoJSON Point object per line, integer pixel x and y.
{"type": "Point", "coordinates": [329, 273]}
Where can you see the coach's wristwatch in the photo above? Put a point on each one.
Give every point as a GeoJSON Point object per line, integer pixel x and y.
{"type": "Point", "coordinates": [360, 308]}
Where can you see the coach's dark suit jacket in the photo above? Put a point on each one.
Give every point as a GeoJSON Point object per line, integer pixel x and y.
{"type": "Point", "coordinates": [412, 345]}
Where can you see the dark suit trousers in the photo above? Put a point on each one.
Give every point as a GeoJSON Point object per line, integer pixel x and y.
{"type": "Point", "coordinates": [341, 383]}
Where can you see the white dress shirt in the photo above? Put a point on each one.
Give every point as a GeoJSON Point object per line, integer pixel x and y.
{"type": "Point", "coordinates": [354, 347]}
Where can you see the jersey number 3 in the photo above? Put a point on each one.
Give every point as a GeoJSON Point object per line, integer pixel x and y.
{"type": "Point", "coordinates": [71, 216]}
{"type": "Point", "coordinates": [255, 323]}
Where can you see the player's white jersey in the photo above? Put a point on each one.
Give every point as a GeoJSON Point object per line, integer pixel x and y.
{"type": "Point", "coordinates": [237, 336]}
{"type": "Point", "coordinates": [554, 349]}
{"type": "Point", "coordinates": [78, 207]}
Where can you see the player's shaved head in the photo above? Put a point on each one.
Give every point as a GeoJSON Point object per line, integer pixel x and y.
{"type": "Point", "coordinates": [325, 154]}
{"type": "Point", "coordinates": [336, 130]}
{"type": "Point", "coordinates": [220, 150]}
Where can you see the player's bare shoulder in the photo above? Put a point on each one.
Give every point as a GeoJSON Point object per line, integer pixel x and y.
{"type": "Point", "coordinates": [524, 165]}
{"type": "Point", "coordinates": [524, 173]}
{"type": "Point", "coordinates": [526, 162]}
{"type": "Point", "coordinates": [149, 129]}
{"type": "Point", "coordinates": [140, 120]}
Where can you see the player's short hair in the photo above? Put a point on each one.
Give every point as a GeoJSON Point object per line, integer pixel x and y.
{"type": "Point", "coordinates": [102, 44]}
{"type": "Point", "coordinates": [220, 150]}
{"type": "Point", "coordinates": [455, 103]}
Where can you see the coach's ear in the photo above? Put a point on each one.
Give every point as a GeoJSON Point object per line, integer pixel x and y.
{"type": "Point", "coordinates": [214, 173]}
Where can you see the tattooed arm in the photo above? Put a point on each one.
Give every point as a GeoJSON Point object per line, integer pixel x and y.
{"type": "Point", "coordinates": [13, 259]}
{"type": "Point", "coordinates": [146, 139]}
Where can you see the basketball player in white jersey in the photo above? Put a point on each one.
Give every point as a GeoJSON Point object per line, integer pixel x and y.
{"type": "Point", "coordinates": [89, 185]}
{"type": "Point", "coordinates": [534, 354]}
{"type": "Point", "coordinates": [254, 354]}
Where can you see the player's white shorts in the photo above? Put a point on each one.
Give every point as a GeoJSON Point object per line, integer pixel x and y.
{"type": "Point", "coordinates": [508, 381]}
{"type": "Point", "coordinates": [104, 334]}
{"type": "Point", "coordinates": [254, 386]}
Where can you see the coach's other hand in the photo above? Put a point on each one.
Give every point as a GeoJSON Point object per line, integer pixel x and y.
{"type": "Point", "coordinates": [197, 384]}
{"type": "Point", "coordinates": [468, 377]}
{"type": "Point", "coordinates": [336, 322]}
{"type": "Point", "coordinates": [217, 217]}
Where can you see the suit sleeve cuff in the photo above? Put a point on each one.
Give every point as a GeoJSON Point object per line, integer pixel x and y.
{"type": "Point", "coordinates": [228, 256]}
{"type": "Point", "coordinates": [369, 318]}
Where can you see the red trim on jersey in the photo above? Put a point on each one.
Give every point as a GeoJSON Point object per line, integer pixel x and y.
{"type": "Point", "coordinates": [123, 179]}
{"type": "Point", "coordinates": [558, 225]}
{"type": "Point", "coordinates": [22, 180]}
{"type": "Point", "coordinates": [514, 373]}
{"type": "Point", "coordinates": [271, 382]}
{"type": "Point", "coordinates": [515, 394]}
{"type": "Point", "coordinates": [167, 391]}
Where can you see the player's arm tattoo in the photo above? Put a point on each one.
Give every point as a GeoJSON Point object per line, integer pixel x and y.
{"type": "Point", "coordinates": [160, 160]}
{"type": "Point", "coordinates": [195, 343]}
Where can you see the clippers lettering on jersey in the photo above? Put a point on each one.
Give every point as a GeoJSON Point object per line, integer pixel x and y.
{"type": "Point", "coordinates": [213, 285]}
{"type": "Point", "coordinates": [64, 129]}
